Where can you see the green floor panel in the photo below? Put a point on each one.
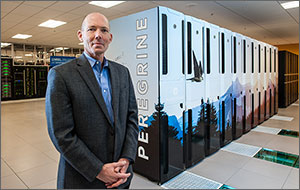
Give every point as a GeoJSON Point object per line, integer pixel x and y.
{"type": "Point", "coordinates": [278, 157]}
{"type": "Point", "coordinates": [226, 187]}
{"type": "Point", "coordinates": [289, 133]}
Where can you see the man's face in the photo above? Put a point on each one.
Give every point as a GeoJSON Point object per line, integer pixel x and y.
{"type": "Point", "coordinates": [95, 34]}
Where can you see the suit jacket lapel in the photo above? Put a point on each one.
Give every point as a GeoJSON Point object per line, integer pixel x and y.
{"type": "Point", "coordinates": [115, 88]}
{"type": "Point", "coordinates": [88, 76]}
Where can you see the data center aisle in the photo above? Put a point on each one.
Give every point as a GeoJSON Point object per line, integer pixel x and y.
{"type": "Point", "coordinates": [29, 160]}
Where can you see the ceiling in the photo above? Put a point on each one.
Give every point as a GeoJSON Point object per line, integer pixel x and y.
{"type": "Point", "coordinates": [263, 20]}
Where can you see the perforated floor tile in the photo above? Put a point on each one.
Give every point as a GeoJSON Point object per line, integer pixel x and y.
{"type": "Point", "coordinates": [243, 149]}
{"type": "Point", "coordinates": [269, 130]}
{"type": "Point", "coordinates": [282, 118]}
{"type": "Point", "coordinates": [188, 180]}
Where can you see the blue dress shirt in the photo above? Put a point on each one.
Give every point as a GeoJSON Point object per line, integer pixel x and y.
{"type": "Point", "coordinates": [103, 79]}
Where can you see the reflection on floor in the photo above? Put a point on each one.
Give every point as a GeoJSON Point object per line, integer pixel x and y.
{"type": "Point", "coordinates": [29, 160]}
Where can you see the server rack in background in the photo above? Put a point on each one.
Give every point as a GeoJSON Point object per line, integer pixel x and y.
{"type": "Point", "coordinates": [288, 78]}
{"type": "Point", "coordinates": [41, 81]}
{"type": "Point", "coordinates": [29, 81]}
{"type": "Point", "coordinates": [6, 78]}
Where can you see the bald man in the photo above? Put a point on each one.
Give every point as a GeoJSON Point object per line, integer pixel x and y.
{"type": "Point", "coordinates": [92, 114]}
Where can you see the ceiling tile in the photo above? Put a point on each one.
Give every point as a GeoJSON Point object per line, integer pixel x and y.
{"type": "Point", "coordinates": [7, 6]}
{"type": "Point", "coordinates": [26, 10]}
{"type": "Point", "coordinates": [67, 6]}
{"type": "Point", "coordinates": [47, 14]}
{"type": "Point", "coordinates": [86, 9]}
{"type": "Point", "coordinates": [43, 4]}
{"type": "Point", "coordinates": [294, 13]}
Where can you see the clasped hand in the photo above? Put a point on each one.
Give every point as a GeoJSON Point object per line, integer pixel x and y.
{"type": "Point", "coordinates": [114, 174]}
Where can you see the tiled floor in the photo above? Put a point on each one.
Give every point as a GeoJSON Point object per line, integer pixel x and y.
{"type": "Point", "coordinates": [29, 160]}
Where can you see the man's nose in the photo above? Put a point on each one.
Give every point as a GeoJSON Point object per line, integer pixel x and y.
{"type": "Point", "coordinates": [98, 34]}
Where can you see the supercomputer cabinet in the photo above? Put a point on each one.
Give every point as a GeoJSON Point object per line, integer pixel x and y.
{"type": "Point", "coordinates": [267, 80]}
{"type": "Point", "coordinates": [271, 81]}
{"type": "Point", "coordinates": [225, 37]}
{"type": "Point", "coordinates": [275, 73]}
{"type": "Point", "coordinates": [237, 89]}
{"type": "Point", "coordinates": [150, 44]}
{"type": "Point", "coordinates": [41, 80]}
{"type": "Point", "coordinates": [19, 78]}
{"type": "Point", "coordinates": [246, 83]}
{"type": "Point", "coordinates": [6, 78]}
{"type": "Point", "coordinates": [195, 135]}
{"type": "Point", "coordinates": [254, 83]}
{"type": "Point", "coordinates": [261, 88]}
{"type": "Point", "coordinates": [212, 86]}
{"type": "Point", "coordinates": [274, 80]}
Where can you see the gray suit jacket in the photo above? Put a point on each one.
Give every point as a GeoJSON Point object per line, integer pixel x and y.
{"type": "Point", "coordinates": [79, 125]}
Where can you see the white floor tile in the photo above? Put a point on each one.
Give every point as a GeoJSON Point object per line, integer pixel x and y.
{"type": "Point", "coordinates": [216, 171]}
{"type": "Point", "coordinates": [269, 169]}
{"type": "Point", "coordinates": [49, 185]}
{"type": "Point", "coordinates": [245, 179]}
{"type": "Point", "coordinates": [27, 162]}
{"type": "Point", "coordinates": [140, 182]}
{"type": "Point", "coordinates": [12, 182]}
{"type": "Point", "coordinates": [39, 175]}
{"type": "Point", "coordinates": [5, 170]}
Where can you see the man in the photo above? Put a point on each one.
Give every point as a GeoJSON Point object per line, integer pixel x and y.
{"type": "Point", "coordinates": [92, 114]}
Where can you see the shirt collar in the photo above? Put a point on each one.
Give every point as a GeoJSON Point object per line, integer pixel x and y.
{"type": "Point", "coordinates": [92, 61]}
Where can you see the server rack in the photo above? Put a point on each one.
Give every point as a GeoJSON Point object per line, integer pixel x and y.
{"type": "Point", "coordinates": [276, 79]}
{"type": "Point", "coordinates": [288, 79]}
{"type": "Point", "coordinates": [246, 83]}
{"type": "Point", "coordinates": [6, 78]}
{"type": "Point", "coordinates": [238, 106]}
{"type": "Point", "coordinates": [225, 37]}
{"type": "Point", "coordinates": [271, 81]}
{"type": "Point", "coordinates": [261, 87]}
{"type": "Point", "coordinates": [29, 81]}
{"type": "Point", "coordinates": [254, 83]}
{"type": "Point", "coordinates": [19, 82]}
{"type": "Point", "coordinates": [212, 86]}
{"type": "Point", "coordinates": [41, 80]}
{"type": "Point", "coordinates": [266, 81]}
{"type": "Point", "coordinates": [195, 135]}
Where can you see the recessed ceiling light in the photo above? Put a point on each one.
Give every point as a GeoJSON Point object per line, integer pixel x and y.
{"type": "Point", "coordinates": [105, 4]}
{"type": "Point", "coordinates": [52, 23]}
{"type": "Point", "coordinates": [81, 43]}
{"type": "Point", "coordinates": [28, 55]}
{"type": "Point", "coordinates": [21, 36]}
{"type": "Point", "coordinates": [291, 4]}
{"type": "Point", "coordinates": [3, 44]}
{"type": "Point", "coordinates": [58, 49]}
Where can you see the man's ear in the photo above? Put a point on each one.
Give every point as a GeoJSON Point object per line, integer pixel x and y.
{"type": "Point", "coordinates": [111, 37]}
{"type": "Point", "coordinates": [79, 35]}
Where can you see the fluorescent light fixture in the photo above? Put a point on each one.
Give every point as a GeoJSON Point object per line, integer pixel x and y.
{"type": "Point", "coordinates": [81, 43]}
{"type": "Point", "coordinates": [21, 36]}
{"type": "Point", "coordinates": [58, 49]}
{"type": "Point", "coordinates": [105, 4]}
{"type": "Point", "coordinates": [3, 44]}
{"type": "Point", "coordinates": [18, 57]}
{"type": "Point", "coordinates": [28, 55]}
{"type": "Point", "coordinates": [291, 4]}
{"type": "Point", "coordinates": [52, 23]}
